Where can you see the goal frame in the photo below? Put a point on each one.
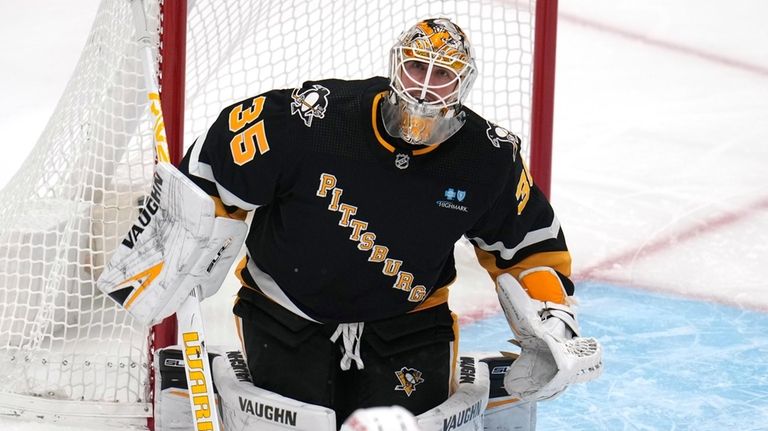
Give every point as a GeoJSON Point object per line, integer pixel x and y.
{"type": "Point", "coordinates": [172, 95]}
{"type": "Point", "coordinates": [543, 93]}
{"type": "Point", "coordinates": [172, 68]}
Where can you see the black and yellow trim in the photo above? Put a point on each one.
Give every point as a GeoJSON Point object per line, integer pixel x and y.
{"type": "Point", "coordinates": [380, 138]}
{"type": "Point", "coordinates": [560, 261]}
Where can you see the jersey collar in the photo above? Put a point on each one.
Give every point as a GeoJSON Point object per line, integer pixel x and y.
{"type": "Point", "coordinates": [380, 136]}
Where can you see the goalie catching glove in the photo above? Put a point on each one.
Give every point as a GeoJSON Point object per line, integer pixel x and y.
{"type": "Point", "coordinates": [176, 244]}
{"type": "Point", "coordinates": [552, 354]}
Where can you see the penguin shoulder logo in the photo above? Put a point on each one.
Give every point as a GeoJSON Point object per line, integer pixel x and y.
{"type": "Point", "coordinates": [408, 378]}
{"type": "Point", "coordinates": [310, 103]}
{"type": "Point", "coordinates": [497, 135]}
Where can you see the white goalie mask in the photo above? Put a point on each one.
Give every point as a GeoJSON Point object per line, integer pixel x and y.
{"type": "Point", "coordinates": [431, 70]}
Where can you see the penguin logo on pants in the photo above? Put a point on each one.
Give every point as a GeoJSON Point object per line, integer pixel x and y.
{"type": "Point", "coordinates": [408, 378]}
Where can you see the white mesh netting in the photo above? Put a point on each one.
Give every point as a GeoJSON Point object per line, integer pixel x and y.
{"type": "Point", "coordinates": [62, 215]}
{"type": "Point", "coordinates": [74, 197]}
{"type": "Point", "coordinates": [274, 44]}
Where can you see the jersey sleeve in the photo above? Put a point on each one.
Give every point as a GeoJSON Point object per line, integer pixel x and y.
{"type": "Point", "coordinates": [521, 231]}
{"type": "Point", "coordinates": [241, 156]}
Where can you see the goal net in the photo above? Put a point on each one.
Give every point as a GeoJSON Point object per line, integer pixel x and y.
{"type": "Point", "coordinates": [65, 349]}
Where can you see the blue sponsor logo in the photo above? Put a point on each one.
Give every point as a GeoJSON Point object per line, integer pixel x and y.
{"type": "Point", "coordinates": [452, 198]}
{"type": "Point", "coordinates": [451, 194]}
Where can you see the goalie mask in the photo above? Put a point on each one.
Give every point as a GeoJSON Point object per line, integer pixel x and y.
{"type": "Point", "coordinates": [431, 71]}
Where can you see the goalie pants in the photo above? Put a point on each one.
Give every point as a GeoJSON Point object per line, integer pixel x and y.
{"type": "Point", "coordinates": [407, 360]}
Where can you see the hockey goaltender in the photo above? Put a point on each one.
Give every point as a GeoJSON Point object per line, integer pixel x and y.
{"type": "Point", "coordinates": [358, 191]}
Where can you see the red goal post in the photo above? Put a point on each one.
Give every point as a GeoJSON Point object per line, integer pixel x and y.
{"type": "Point", "coordinates": [65, 350]}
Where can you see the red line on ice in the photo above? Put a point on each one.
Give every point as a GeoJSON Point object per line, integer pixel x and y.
{"type": "Point", "coordinates": [661, 244]}
{"type": "Point", "coordinates": [664, 243]}
{"type": "Point", "coordinates": [482, 312]}
{"type": "Point", "coordinates": [697, 296]}
{"type": "Point", "coordinates": [682, 49]}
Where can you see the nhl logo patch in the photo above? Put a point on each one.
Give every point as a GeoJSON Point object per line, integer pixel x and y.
{"type": "Point", "coordinates": [497, 135]}
{"type": "Point", "coordinates": [402, 161]}
{"type": "Point", "coordinates": [409, 378]}
{"type": "Point", "coordinates": [310, 103]}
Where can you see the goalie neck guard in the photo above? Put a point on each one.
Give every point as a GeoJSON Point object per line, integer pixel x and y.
{"type": "Point", "coordinates": [431, 71]}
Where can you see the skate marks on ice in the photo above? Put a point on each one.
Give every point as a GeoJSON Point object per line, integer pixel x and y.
{"type": "Point", "coordinates": [670, 364]}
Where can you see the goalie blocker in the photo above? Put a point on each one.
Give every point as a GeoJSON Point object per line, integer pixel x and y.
{"type": "Point", "coordinates": [176, 244]}
{"type": "Point", "coordinates": [244, 406]}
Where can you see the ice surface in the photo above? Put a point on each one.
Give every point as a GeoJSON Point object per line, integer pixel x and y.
{"type": "Point", "coordinates": [660, 127]}
{"type": "Point", "coordinates": [669, 364]}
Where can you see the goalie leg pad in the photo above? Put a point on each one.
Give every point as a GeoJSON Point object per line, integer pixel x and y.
{"type": "Point", "coordinates": [247, 407]}
{"type": "Point", "coordinates": [462, 411]}
{"type": "Point", "coordinates": [505, 412]}
{"type": "Point", "coordinates": [173, 411]}
{"type": "Point", "coordinates": [242, 405]}
{"type": "Point", "coordinates": [468, 409]}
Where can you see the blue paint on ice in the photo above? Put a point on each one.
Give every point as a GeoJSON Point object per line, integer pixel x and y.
{"type": "Point", "coordinates": [670, 364]}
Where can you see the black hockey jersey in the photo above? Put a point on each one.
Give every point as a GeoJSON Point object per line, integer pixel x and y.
{"type": "Point", "coordinates": [352, 225]}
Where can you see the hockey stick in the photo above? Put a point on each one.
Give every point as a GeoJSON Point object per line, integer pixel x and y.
{"type": "Point", "coordinates": [205, 415]}
{"type": "Point", "coordinates": [197, 367]}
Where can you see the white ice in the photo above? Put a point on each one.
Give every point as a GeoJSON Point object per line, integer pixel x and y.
{"type": "Point", "coordinates": [660, 169]}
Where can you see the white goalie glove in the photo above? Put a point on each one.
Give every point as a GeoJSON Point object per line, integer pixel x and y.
{"type": "Point", "coordinates": [553, 355]}
{"type": "Point", "coordinates": [176, 245]}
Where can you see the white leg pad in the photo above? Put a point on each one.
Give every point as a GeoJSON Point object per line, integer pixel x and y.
{"type": "Point", "coordinates": [462, 411]}
{"type": "Point", "coordinates": [511, 417]}
{"type": "Point", "coordinates": [247, 407]}
{"type": "Point", "coordinates": [479, 403]}
{"type": "Point", "coordinates": [505, 412]}
{"type": "Point", "coordinates": [172, 408]}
